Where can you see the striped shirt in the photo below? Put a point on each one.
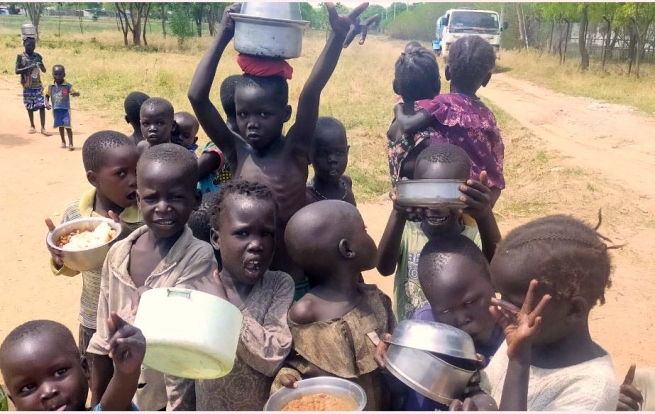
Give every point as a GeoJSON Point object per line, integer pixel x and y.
{"type": "Point", "coordinates": [83, 207]}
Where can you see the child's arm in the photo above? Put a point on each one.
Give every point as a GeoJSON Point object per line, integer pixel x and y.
{"type": "Point", "coordinates": [208, 162]}
{"type": "Point", "coordinates": [286, 377]}
{"type": "Point", "coordinates": [208, 116]}
{"type": "Point", "coordinates": [411, 123]}
{"type": "Point", "coordinates": [41, 64]}
{"type": "Point", "coordinates": [390, 244]}
{"type": "Point", "coordinates": [520, 326]}
{"type": "Point", "coordinates": [19, 66]}
{"type": "Point", "coordinates": [47, 97]}
{"type": "Point", "coordinates": [127, 347]}
{"type": "Point", "coordinates": [478, 198]}
{"type": "Point", "coordinates": [301, 132]}
{"type": "Point", "coordinates": [74, 92]}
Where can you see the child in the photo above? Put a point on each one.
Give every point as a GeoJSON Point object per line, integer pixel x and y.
{"type": "Point", "coordinates": [214, 169]}
{"type": "Point", "coordinates": [28, 65]}
{"type": "Point", "coordinates": [334, 325]}
{"type": "Point", "coordinates": [61, 91]}
{"type": "Point", "coordinates": [186, 132]}
{"type": "Point", "coordinates": [132, 107]}
{"type": "Point", "coordinates": [329, 156]}
{"type": "Point", "coordinates": [416, 77]}
{"type": "Point", "coordinates": [243, 230]}
{"type": "Point", "coordinates": [110, 160]}
{"type": "Point", "coordinates": [168, 256]}
{"type": "Point", "coordinates": [403, 240]}
{"type": "Point", "coordinates": [200, 221]}
{"type": "Point", "coordinates": [44, 371]}
{"type": "Point", "coordinates": [261, 153]}
{"type": "Point", "coordinates": [157, 123]}
{"type": "Point", "coordinates": [454, 276]}
{"type": "Point", "coordinates": [562, 368]}
{"type": "Point", "coordinates": [460, 118]}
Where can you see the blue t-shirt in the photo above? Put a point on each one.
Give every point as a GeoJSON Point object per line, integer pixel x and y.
{"type": "Point", "coordinates": [99, 408]}
{"type": "Point", "coordinates": [415, 401]}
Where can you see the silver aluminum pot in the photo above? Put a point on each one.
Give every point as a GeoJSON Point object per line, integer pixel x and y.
{"type": "Point", "coordinates": [430, 193]}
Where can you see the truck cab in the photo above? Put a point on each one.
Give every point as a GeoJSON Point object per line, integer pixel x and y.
{"type": "Point", "coordinates": [457, 23]}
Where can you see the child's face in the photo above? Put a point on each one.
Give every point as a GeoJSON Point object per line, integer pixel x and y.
{"type": "Point", "coordinates": [329, 155]}
{"type": "Point", "coordinates": [41, 376]}
{"type": "Point", "coordinates": [439, 220]}
{"type": "Point", "coordinates": [30, 45]}
{"type": "Point", "coordinates": [259, 116]}
{"type": "Point", "coordinates": [246, 238]}
{"type": "Point", "coordinates": [156, 125]}
{"type": "Point", "coordinates": [460, 296]}
{"type": "Point", "coordinates": [166, 199]}
{"type": "Point", "coordinates": [186, 132]}
{"type": "Point", "coordinates": [116, 178]}
{"type": "Point", "coordinates": [59, 73]}
{"type": "Point", "coordinates": [363, 244]}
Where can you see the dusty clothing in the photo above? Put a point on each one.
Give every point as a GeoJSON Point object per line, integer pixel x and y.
{"type": "Point", "coordinates": [590, 386]}
{"type": "Point", "coordinates": [264, 344]}
{"type": "Point", "coordinates": [343, 347]}
{"type": "Point", "coordinates": [188, 261]}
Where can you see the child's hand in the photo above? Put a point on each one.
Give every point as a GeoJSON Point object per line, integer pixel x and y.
{"type": "Point", "coordinates": [48, 106]}
{"type": "Point", "coordinates": [630, 398]}
{"type": "Point", "coordinates": [57, 257]}
{"type": "Point", "coordinates": [125, 230]}
{"type": "Point", "coordinates": [381, 350]}
{"type": "Point", "coordinates": [126, 346]}
{"type": "Point", "coordinates": [477, 197]}
{"type": "Point", "coordinates": [347, 26]}
{"type": "Point", "coordinates": [520, 325]}
{"type": "Point", "coordinates": [288, 381]}
{"type": "Point", "coordinates": [75, 94]}
{"type": "Point", "coordinates": [405, 211]}
{"type": "Point", "coordinates": [228, 22]}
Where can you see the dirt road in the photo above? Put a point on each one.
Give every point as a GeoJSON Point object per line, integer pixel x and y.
{"type": "Point", "coordinates": [40, 178]}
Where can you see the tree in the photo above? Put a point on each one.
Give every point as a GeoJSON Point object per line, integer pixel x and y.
{"type": "Point", "coordinates": [582, 37]}
{"type": "Point", "coordinates": [163, 10]}
{"type": "Point", "coordinates": [640, 17]}
{"type": "Point", "coordinates": [181, 22]}
{"type": "Point", "coordinates": [131, 17]}
{"type": "Point", "coordinates": [214, 15]}
{"type": "Point", "coordinates": [198, 13]}
{"type": "Point", "coordinates": [34, 11]}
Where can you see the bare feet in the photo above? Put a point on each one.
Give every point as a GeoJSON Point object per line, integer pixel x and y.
{"type": "Point", "coordinates": [44, 132]}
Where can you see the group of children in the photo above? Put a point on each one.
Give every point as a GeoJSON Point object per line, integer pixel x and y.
{"type": "Point", "coordinates": [290, 253]}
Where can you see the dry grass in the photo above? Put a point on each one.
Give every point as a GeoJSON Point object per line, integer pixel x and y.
{"type": "Point", "coordinates": [610, 84]}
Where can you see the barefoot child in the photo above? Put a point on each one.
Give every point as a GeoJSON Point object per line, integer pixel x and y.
{"type": "Point", "coordinates": [403, 240]}
{"type": "Point", "coordinates": [563, 369]}
{"type": "Point", "coordinates": [29, 64]}
{"type": "Point", "coordinates": [44, 371]}
{"type": "Point", "coordinates": [110, 160]}
{"type": "Point", "coordinates": [132, 106]}
{"type": "Point", "coordinates": [168, 256]}
{"type": "Point", "coordinates": [329, 156]}
{"type": "Point", "coordinates": [335, 324]}
{"type": "Point", "coordinates": [460, 118]}
{"type": "Point", "coordinates": [186, 131]}
{"type": "Point", "coordinates": [60, 93]}
{"type": "Point", "coordinates": [157, 123]}
{"type": "Point", "coordinates": [260, 152]}
{"type": "Point", "coordinates": [243, 230]}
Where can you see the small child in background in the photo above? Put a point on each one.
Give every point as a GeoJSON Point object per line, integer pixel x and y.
{"type": "Point", "coordinates": [60, 93]}
{"type": "Point", "coordinates": [200, 221]}
{"type": "Point", "coordinates": [44, 371]}
{"type": "Point", "coordinates": [110, 160]}
{"type": "Point", "coordinates": [460, 118]}
{"type": "Point", "coordinates": [186, 131]}
{"type": "Point", "coordinates": [329, 157]}
{"type": "Point", "coordinates": [168, 256]}
{"type": "Point", "coordinates": [29, 66]}
{"type": "Point", "coordinates": [132, 106]}
{"type": "Point", "coordinates": [335, 326]}
{"type": "Point", "coordinates": [402, 241]}
{"type": "Point", "coordinates": [243, 231]}
{"type": "Point", "coordinates": [157, 123]}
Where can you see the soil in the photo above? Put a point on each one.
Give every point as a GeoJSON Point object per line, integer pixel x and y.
{"type": "Point", "coordinates": [614, 141]}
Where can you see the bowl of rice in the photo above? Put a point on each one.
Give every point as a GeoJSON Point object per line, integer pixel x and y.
{"type": "Point", "coordinates": [84, 243]}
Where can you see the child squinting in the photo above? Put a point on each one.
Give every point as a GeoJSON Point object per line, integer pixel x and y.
{"type": "Point", "coordinates": [243, 231]}
{"type": "Point", "coordinates": [44, 371]}
{"type": "Point", "coordinates": [329, 157]}
{"type": "Point", "coordinates": [157, 123]}
{"type": "Point", "coordinates": [335, 324]}
{"type": "Point", "coordinates": [60, 93]}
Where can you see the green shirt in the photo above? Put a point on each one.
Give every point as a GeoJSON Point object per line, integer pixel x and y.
{"type": "Point", "coordinates": [406, 288]}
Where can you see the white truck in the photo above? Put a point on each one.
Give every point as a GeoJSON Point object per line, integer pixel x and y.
{"type": "Point", "coordinates": [463, 22]}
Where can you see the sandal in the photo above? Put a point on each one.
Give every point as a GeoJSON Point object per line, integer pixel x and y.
{"type": "Point", "coordinates": [71, 147]}
{"type": "Point", "coordinates": [32, 131]}
{"type": "Point", "coordinates": [44, 132]}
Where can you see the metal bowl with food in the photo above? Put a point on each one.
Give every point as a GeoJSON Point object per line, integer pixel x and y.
{"type": "Point", "coordinates": [84, 243]}
{"type": "Point", "coordinates": [434, 337]}
{"type": "Point", "coordinates": [430, 193]}
{"type": "Point", "coordinates": [291, 399]}
{"type": "Point", "coordinates": [428, 374]}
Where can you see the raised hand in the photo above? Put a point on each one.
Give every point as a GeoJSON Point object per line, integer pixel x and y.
{"type": "Point", "coordinates": [126, 345]}
{"type": "Point", "coordinates": [228, 22]}
{"type": "Point", "coordinates": [520, 325]}
{"type": "Point", "coordinates": [630, 398]}
{"type": "Point", "coordinates": [349, 26]}
{"type": "Point", "coordinates": [477, 197]}
{"type": "Point", "coordinates": [57, 257]}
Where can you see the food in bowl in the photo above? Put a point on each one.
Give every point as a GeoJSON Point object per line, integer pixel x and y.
{"type": "Point", "coordinates": [83, 240]}
{"type": "Point", "coordinates": [322, 402]}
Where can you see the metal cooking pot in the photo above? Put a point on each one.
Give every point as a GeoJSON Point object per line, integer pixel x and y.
{"type": "Point", "coordinates": [318, 385]}
{"type": "Point", "coordinates": [282, 10]}
{"type": "Point", "coordinates": [434, 337]}
{"type": "Point", "coordinates": [427, 374]}
{"type": "Point", "coordinates": [430, 193]}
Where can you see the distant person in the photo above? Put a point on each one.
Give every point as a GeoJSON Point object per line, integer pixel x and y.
{"type": "Point", "coordinates": [157, 123]}
{"type": "Point", "coordinates": [29, 64]}
{"type": "Point", "coordinates": [186, 131]}
{"type": "Point", "coordinates": [132, 106]}
{"type": "Point", "coordinates": [329, 157]}
{"type": "Point", "coordinates": [60, 93]}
